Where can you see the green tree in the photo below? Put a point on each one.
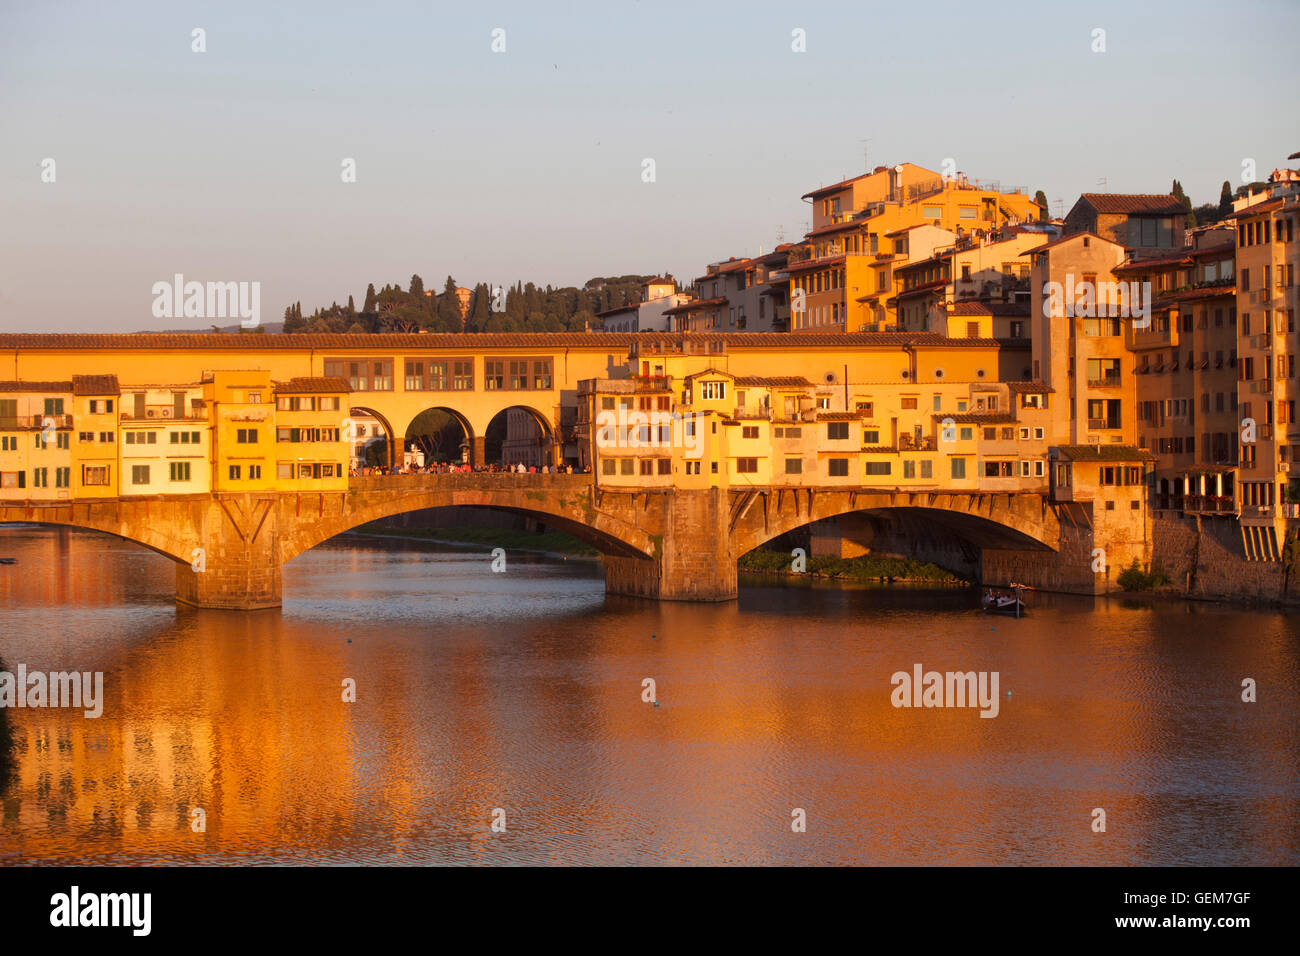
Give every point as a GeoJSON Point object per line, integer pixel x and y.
{"type": "Point", "coordinates": [1225, 200]}
{"type": "Point", "coordinates": [1189, 219]}
{"type": "Point", "coordinates": [1040, 197]}
{"type": "Point", "coordinates": [371, 300]}
{"type": "Point", "coordinates": [447, 316]}
{"type": "Point", "coordinates": [417, 286]}
{"type": "Point", "coordinates": [480, 308]}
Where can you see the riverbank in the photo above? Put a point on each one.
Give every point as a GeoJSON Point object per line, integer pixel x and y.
{"type": "Point", "coordinates": [865, 568]}
{"type": "Point", "coordinates": [554, 543]}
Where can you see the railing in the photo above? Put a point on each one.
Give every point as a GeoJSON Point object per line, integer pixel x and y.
{"type": "Point", "coordinates": [167, 414]}
{"type": "Point", "coordinates": [16, 422]}
{"type": "Point", "coordinates": [1212, 504]}
{"type": "Point", "coordinates": [1105, 381]}
{"type": "Point", "coordinates": [477, 480]}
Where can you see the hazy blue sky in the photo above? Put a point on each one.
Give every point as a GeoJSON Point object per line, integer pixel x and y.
{"type": "Point", "coordinates": [225, 165]}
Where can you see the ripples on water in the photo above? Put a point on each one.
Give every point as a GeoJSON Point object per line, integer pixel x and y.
{"type": "Point", "coordinates": [522, 691]}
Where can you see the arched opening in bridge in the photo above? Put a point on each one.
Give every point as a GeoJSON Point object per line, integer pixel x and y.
{"type": "Point", "coordinates": [438, 435]}
{"type": "Point", "coordinates": [953, 541]}
{"type": "Point", "coordinates": [519, 435]}
{"type": "Point", "coordinates": [371, 437]}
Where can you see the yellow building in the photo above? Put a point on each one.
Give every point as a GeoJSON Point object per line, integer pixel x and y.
{"type": "Point", "coordinates": [36, 440]}
{"type": "Point", "coordinates": [899, 411]}
{"type": "Point", "coordinates": [1267, 263]}
{"type": "Point", "coordinates": [164, 441]}
{"type": "Point", "coordinates": [241, 415]}
{"type": "Point", "coordinates": [859, 236]}
{"type": "Point", "coordinates": [312, 444]}
{"type": "Point", "coordinates": [95, 471]}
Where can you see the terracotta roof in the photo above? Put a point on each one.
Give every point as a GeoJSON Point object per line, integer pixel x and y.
{"type": "Point", "coordinates": [617, 309]}
{"type": "Point", "coordinates": [779, 381]}
{"type": "Point", "coordinates": [35, 386]}
{"type": "Point", "coordinates": [306, 385]}
{"type": "Point", "coordinates": [1105, 453]}
{"type": "Point", "coordinates": [709, 371]}
{"type": "Point", "coordinates": [95, 385]}
{"type": "Point", "coordinates": [838, 226]}
{"type": "Point", "coordinates": [363, 344]}
{"type": "Point", "coordinates": [1033, 388]}
{"type": "Point", "coordinates": [1134, 203]}
{"type": "Point", "coordinates": [187, 341]}
{"type": "Point", "coordinates": [1071, 237]}
{"type": "Point", "coordinates": [1137, 265]}
{"type": "Point", "coordinates": [839, 416]}
{"type": "Point", "coordinates": [977, 418]}
{"type": "Point", "coordinates": [814, 263]}
{"type": "Point", "coordinates": [696, 306]}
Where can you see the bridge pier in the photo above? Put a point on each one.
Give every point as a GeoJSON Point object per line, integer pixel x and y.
{"type": "Point", "coordinates": [693, 560]}
{"type": "Point", "coordinates": [236, 565]}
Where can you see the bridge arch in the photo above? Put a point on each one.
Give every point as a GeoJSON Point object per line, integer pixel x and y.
{"type": "Point", "coordinates": [519, 433]}
{"type": "Point", "coordinates": [361, 437]}
{"type": "Point", "coordinates": [432, 434]}
{"type": "Point", "coordinates": [1022, 522]}
{"type": "Point", "coordinates": [562, 501]}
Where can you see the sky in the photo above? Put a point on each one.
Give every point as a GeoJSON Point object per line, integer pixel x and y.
{"type": "Point", "coordinates": [529, 163]}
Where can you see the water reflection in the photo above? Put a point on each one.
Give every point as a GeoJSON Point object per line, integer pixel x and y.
{"type": "Point", "coordinates": [523, 691]}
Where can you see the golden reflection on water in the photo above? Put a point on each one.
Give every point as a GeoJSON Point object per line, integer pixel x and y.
{"type": "Point", "coordinates": [523, 692]}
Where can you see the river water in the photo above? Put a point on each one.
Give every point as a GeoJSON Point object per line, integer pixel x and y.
{"type": "Point", "coordinates": [518, 696]}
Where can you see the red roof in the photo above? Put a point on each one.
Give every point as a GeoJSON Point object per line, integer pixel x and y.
{"type": "Point", "coordinates": [95, 385]}
{"type": "Point", "coordinates": [300, 386]}
{"type": "Point", "coordinates": [1134, 203]}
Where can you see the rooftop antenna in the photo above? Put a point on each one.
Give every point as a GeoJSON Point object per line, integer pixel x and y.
{"type": "Point", "coordinates": [865, 164]}
{"type": "Point", "coordinates": [1060, 208]}
{"type": "Point", "coordinates": [1102, 182]}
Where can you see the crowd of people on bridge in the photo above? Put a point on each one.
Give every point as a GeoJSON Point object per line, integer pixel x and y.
{"type": "Point", "coordinates": [458, 468]}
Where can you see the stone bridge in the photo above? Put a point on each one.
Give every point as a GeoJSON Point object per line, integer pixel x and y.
{"type": "Point", "coordinates": [665, 543]}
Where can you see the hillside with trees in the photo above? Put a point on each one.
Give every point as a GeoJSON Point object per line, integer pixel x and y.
{"type": "Point", "coordinates": [527, 308]}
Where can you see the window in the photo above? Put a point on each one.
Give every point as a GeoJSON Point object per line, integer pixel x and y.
{"type": "Point", "coordinates": [966, 433]}
{"type": "Point", "coordinates": [254, 472]}
{"type": "Point", "coordinates": [625, 466]}
{"type": "Point", "coordinates": [909, 468]}
{"type": "Point", "coordinates": [751, 431]}
{"type": "Point", "coordinates": [837, 431]}
{"type": "Point", "coordinates": [40, 478]}
{"type": "Point", "coordinates": [94, 475]}
{"type": "Point", "coordinates": [234, 472]}
{"type": "Point", "coordinates": [9, 443]}
{"type": "Point", "coordinates": [139, 474]}
{"type": "Point", "coordinates": [362, 374]}
{"type": "Point", "coordinates": [878, 468]}
{"type": "Point", "coordinates": [870, 436]}
{"type": "Point", "coordinates": [713, 391]}
{"type": "Point", "coordinates": [794, 466]}
{"type": "Point", "coordinates": [608, 466]}
{"type": "Point", "coordinates": [837, 467]}
{"type": "Point", "coordinates": [62, 477]}
{"type": "Point", "coordinates": [665, 466]}
{"type": "Point", "coordinates": [958, 467]}
{"type": "Point", "coordinates": [100, 406]}
{"type": "Point", "coordinates": [246, 436]}
{"type": "Point", "coordinates": [909, 402]}
{"type": "Point", "coordinates": [746, 466]}
{"type": "Point", "coordinates": [179, 471]}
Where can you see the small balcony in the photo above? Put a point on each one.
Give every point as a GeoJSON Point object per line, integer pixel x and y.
{"type": "Point", "coordinates": [1209, 504]}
